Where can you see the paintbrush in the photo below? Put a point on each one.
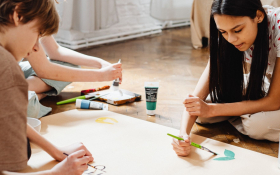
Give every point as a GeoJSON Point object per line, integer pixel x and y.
{"type": "Point", "coordinates": [74, 99]}
{"type": "Point", "coordinates": [194, 144]}
{"type": "Point", "coordinates": [116, 82]}
{"type": "Point", "coordinates": [97, 97]}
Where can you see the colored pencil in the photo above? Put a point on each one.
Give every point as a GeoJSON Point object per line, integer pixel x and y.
{"type": "Point", "coordinates": [85, 92]}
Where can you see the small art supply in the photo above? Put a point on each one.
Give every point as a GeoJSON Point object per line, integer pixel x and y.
{"type": "Point", "coordinates": [193, 144]}
{"type": "Point", "coordinates": [74, 99]}
{"type": "Point", "coordinates": [35, 123]}
{"type": "Point", "coordinates": [86, 104]}
{"type": "Point", "coordinates": [85, 92]}
{"type": "Point", "coordinates": [116, 82]}
{"type": "Point", "coordinates": [80, 97]}
{"type": "Point", "coordinates": [94, 98]}
{"type": "Point", "coordinates": [115, 98]}
{"type": "Point", "coordinates": [151, 89]}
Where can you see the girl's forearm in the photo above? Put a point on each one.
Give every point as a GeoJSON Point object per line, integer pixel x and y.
{"type": "Point", "coordinates": [268, 103]}
{"type": "Point", "coordinates": [201, 91]}
{"type": "Point", "coordinates": [244, 107]}
{"type": "Point", "coordinates": [69, 74]}
{"type": "Point", "coordinates": [48, 70]}
{"type": "Point", "coordinates": [39, 140]}
{"type": "Point", "coordinates": [187, 123]}
{"type": "Point", "coordinates": [57, 52]}
{"type": "Point", "coordinates": [73, 57]}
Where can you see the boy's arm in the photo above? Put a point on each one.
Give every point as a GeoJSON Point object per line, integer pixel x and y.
{"type": "Point", "coordinates": [48, 70]}
{"type": "Point", "coordinates": [52, 150]}
{"type": "Point", "coordinates": [57, 52]}
{"type": "Point", "coordinates": [13, 142]}
{"type": "Point", "coordinates": [75, 163]}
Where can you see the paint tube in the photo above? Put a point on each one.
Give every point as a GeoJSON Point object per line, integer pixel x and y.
{"type": "Point", "coordinates": [86, 104]}
{"type": "Point", "coordinates": [151, 89]}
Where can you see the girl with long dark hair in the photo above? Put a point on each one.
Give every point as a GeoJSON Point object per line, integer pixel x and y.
{"type": "Point", "coordinates": [244, 38]}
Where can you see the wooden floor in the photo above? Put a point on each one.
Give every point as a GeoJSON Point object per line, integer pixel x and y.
{"type": "Point", "coordinates": [169, 59]}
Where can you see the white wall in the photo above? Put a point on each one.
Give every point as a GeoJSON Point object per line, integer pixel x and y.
{"type": "Point", "coordinates": [133, 15]}
{"type": "Point", "coordinates": [134, 20]}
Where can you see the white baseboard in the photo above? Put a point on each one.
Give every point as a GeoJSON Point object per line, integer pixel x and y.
{"type": "Point", "coordinates": [108, 39]}
{"type": "Point", "coordinates": [172, 24]}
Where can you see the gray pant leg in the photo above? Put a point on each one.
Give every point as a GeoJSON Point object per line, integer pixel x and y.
{"type": "Point", "coordinates": [35, 108]}
{"type": "Point", "coordinates": [57, 86]}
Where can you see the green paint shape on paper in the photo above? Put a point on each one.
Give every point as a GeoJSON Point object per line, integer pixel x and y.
{"type": "Point", "coordinates": [224, 158]}
{"type": "Point", "coordinates": [229, 153]}
{"type": "Point", "coordinates": [229, 156]}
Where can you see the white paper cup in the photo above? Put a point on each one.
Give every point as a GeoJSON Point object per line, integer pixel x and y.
{"type": "Point", "coordinates": [35, 123]}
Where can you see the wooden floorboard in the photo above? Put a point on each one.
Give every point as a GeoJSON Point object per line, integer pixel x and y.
{"type": "Point", "coordinates": [169, 59]}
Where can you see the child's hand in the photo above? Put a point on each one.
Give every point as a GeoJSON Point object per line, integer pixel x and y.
{"type": "Point", "coordinates": [182, 148]}
{"type": "Point", "coordinates": [74, 164]}
{"type": "Point", "coordinates": [111, 72]}
{"type": "Point", "coordinates": [71, 149]}
{"type": "Point", "coordinates": [197, 107]}
{"type": "Point", "coordinates": [105, 64]}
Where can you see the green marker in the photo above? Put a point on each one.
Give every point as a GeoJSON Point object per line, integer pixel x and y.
{"type": "Point", "coordinates": [80, 97]}
{"type": "Point", "coordinates": [70, 100]}
{"type": "Point", "coordinates": [193, 144]}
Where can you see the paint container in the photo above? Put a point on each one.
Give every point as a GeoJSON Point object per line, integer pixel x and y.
{"type": "Point", "coordinates": [86, 104]}
{"type": "Point", "coordinates": [35, 123]}
{"type": "Point", "coordinates": [116, 83]}
{"type": "Point", "coordinates": [151, 89]}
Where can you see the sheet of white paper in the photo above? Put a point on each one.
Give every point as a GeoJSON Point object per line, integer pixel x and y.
{"type": "Point", "coordinates": [135, 147]}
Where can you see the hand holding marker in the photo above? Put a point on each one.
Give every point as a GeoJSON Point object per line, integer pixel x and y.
{"type": "Point", "coordinates": [194, 144]}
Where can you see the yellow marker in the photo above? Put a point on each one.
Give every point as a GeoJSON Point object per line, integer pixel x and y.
{"type": "Point", "coordinates": [102, 120]}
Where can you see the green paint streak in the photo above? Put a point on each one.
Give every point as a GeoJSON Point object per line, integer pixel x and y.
{"type": "Point", "coordinates": [229, 153]}
{"type": "Point", "coordinates": [229, 156]}
{"type": "Point", "coordinates": [224, 158]}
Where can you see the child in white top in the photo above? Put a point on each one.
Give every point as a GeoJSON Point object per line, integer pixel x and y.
{"type": "Point", "coordinates": [240, 31]}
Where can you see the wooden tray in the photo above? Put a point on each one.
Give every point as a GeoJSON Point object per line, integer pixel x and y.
{"type": "Point", "coordinates": [114, 98]}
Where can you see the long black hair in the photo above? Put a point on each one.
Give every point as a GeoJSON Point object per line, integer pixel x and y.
{"type": "Point", "coordinates": [226, 83]}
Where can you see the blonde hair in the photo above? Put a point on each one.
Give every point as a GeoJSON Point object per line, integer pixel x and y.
{"type": "Point", "coordinates": [42, 10]}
